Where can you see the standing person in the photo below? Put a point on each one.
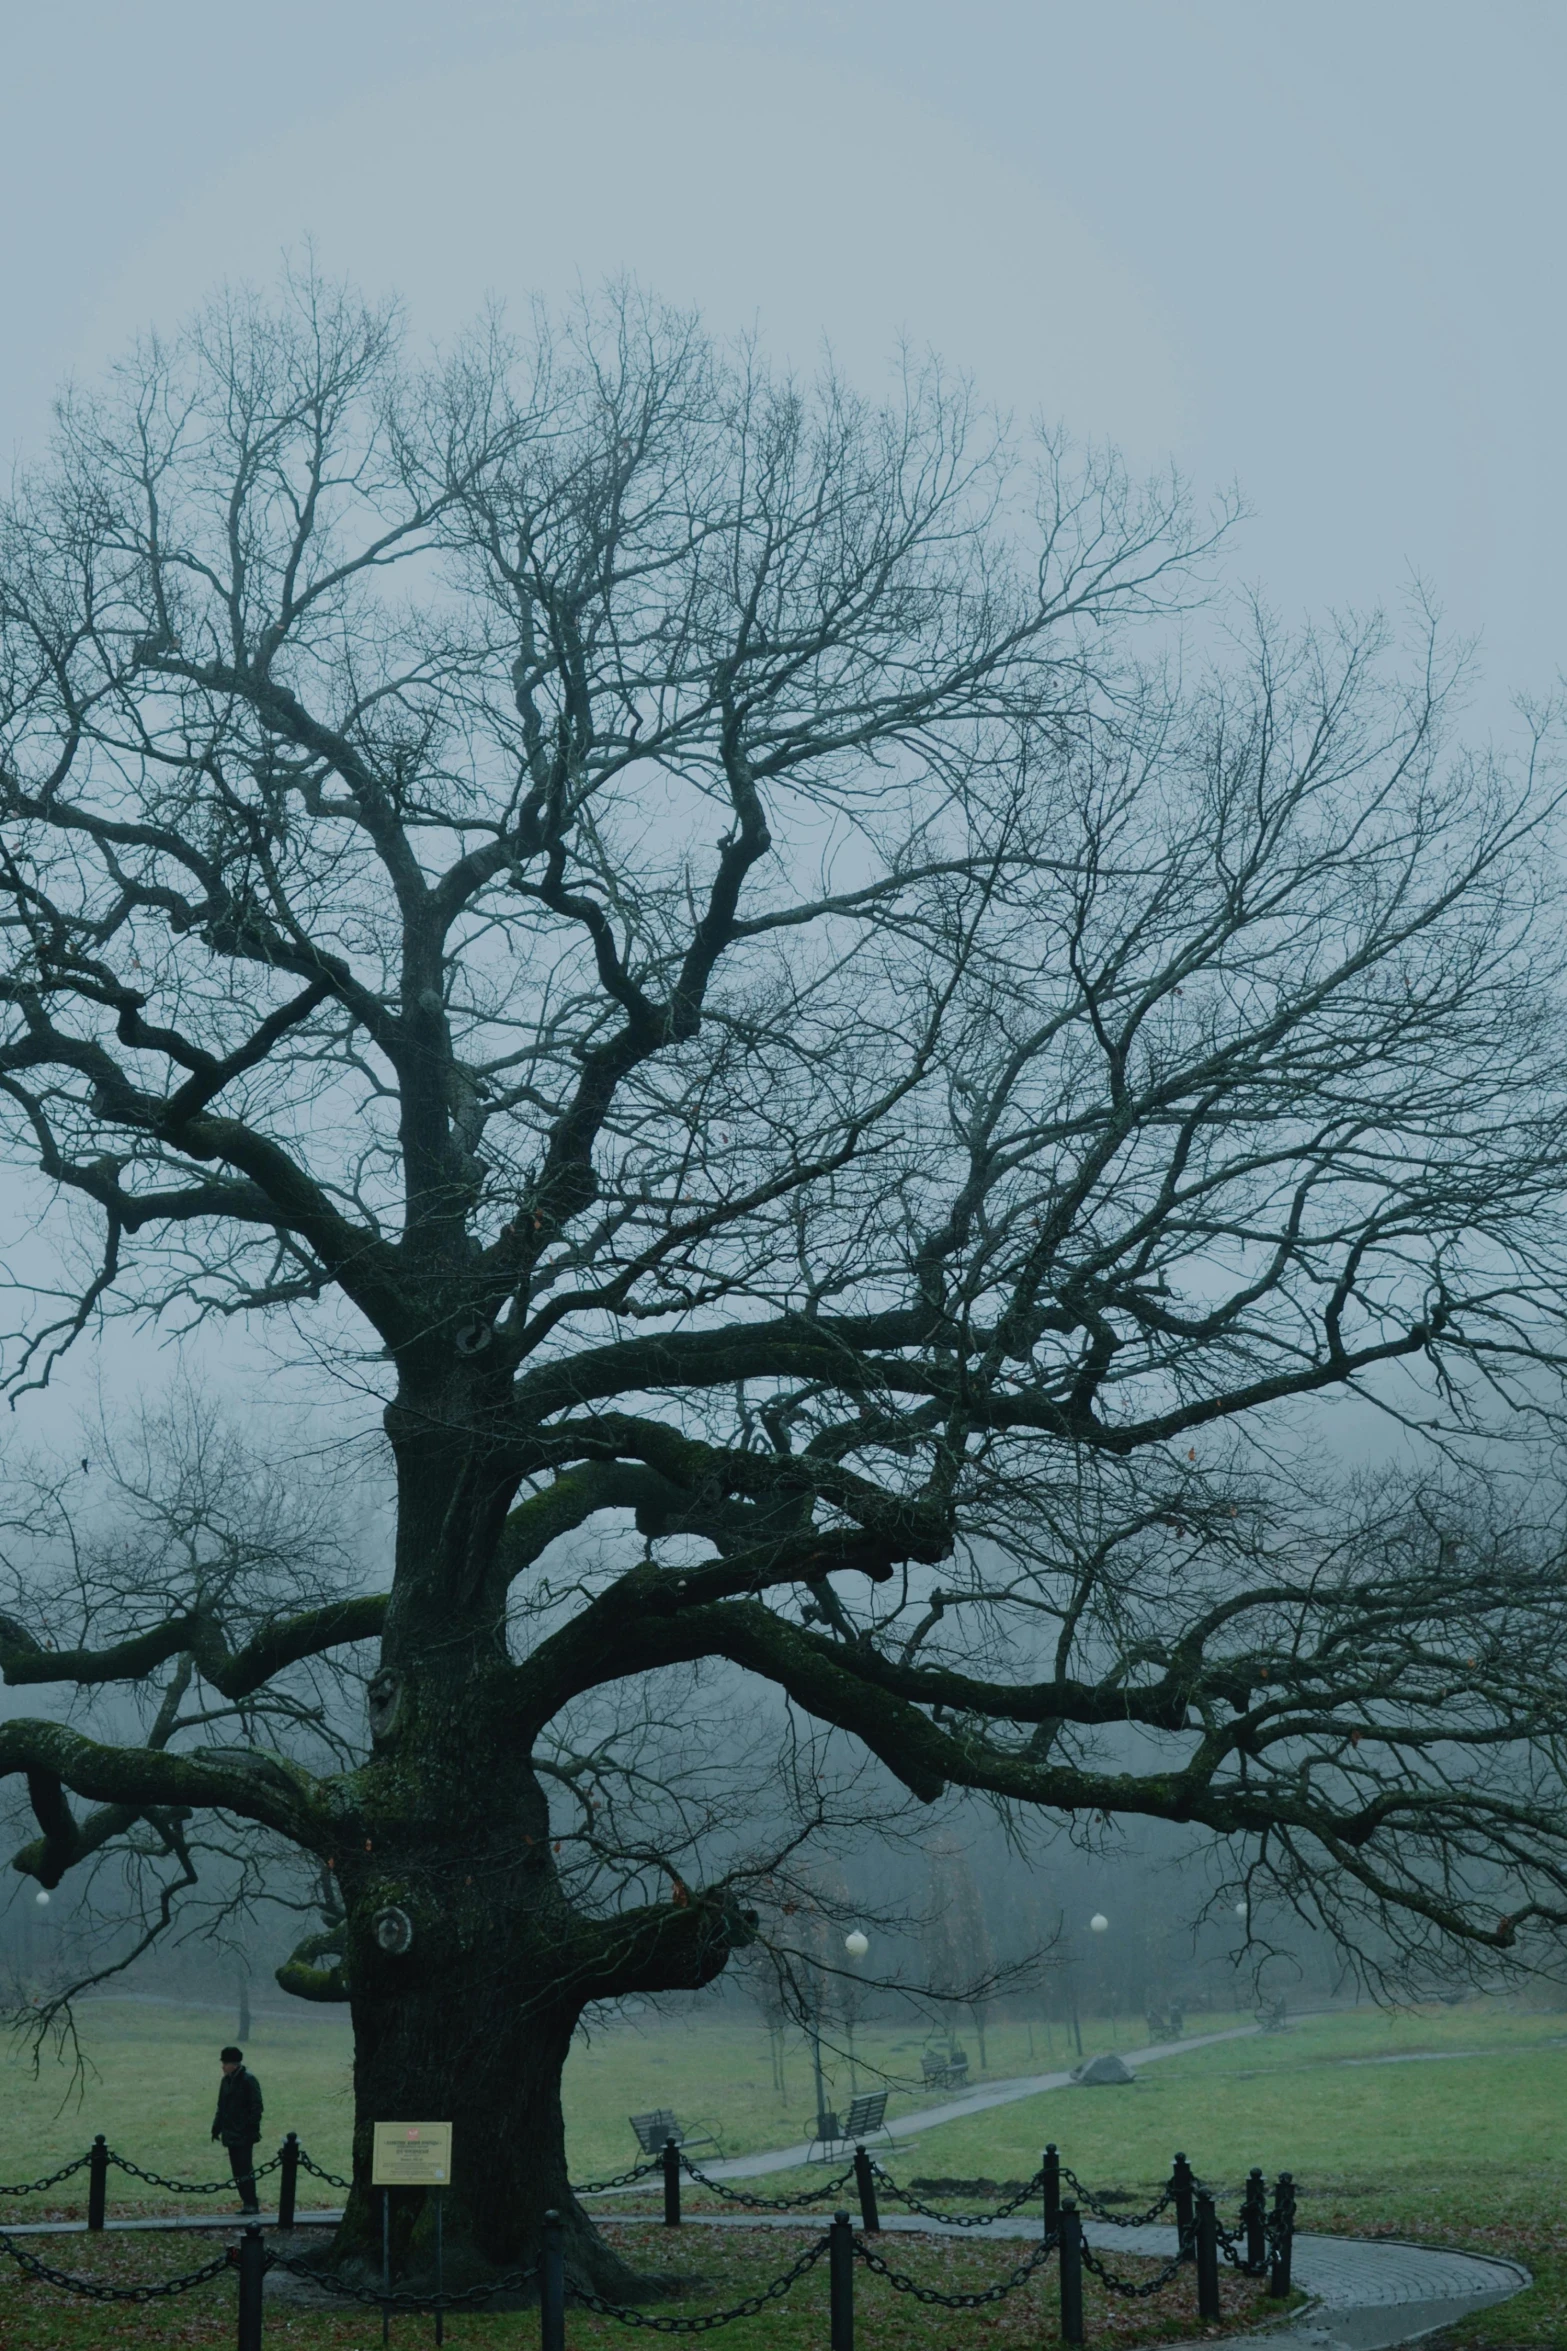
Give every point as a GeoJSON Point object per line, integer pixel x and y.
{"type": "Point", "coordinates": [238, 2123]}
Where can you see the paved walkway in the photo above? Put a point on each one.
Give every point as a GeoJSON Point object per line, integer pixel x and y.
{"type": "Point", "coordinates": [976, 2101]}
{"type": "Point", "coordinates": [1366, 2296]}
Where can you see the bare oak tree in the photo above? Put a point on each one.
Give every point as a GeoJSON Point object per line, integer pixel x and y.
{"type": "Point", "coordinates": [698, 930]}
{"type": "Point", "coordinates": [177, 1511]}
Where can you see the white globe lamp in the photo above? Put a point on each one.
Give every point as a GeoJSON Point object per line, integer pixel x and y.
{"type": "Point", "coordinates": [1240, 1910]}
{"type": "Point", "coordinates": [42, 1897]}
{"type": "Point", "coordinates": [1098, 1923]}
{"type": "Point", "coordinates": [856, 1944]}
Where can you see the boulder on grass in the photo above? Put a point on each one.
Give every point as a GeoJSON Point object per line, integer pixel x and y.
{"type": "Point", "coordinates": [1095, 2072]}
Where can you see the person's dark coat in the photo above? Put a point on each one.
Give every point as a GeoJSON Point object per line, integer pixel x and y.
{"type": "Point", "coordinates": [238, 2119]}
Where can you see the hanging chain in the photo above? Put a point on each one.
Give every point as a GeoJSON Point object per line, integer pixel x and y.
{"type": "Point", "coordinates": [37, 2187]}
{"type": "Point", "coordinates": [1120, 2220]}
{"type": "Point", "coordinates": [155, 2179]}
{"type": "Point", "coordinates": [511, 2283]}
{"type": "Point", "coordinates": [704, 2322]}
{"type": "Point", "coordinates": [1231, 2245]}
{"type": "Point", "coordinates": [1138, 2292]}
{"type": "Point", "coordinates": [93, 2290]}
{"type": "Point", "coordinates": [621, 2180]}
{"type": "Point", "coordinates": [769, 2203]}
{"type": "Point", "coordinates": [958, 2220]}
{"type": "Point", "coordinates": [975, 2301]}
{"type": "Point", "coordinates": [331, 2178]}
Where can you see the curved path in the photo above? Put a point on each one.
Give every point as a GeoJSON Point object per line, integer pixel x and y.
{"type": "Point", "coordinates": [1366, 2296]}
{"type": "Point", "coordinates": [975, 2101]}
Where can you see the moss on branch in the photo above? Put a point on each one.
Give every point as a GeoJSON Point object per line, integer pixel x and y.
{"type": "Point", "coordinates": [234, 1673]}
{"type": "Point", "coordinates": [256, 1786]}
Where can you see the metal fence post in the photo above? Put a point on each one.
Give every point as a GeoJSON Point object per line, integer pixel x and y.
{"type": "Point", "coordinates": [1183, 2187]}
{"type": "Point", "coordinates": [671, 2184]}
{"type": "Point", "coordinates": [287, 2181]}
{"type": "Point", "coordinates": [865, 2181]}
{"type": "Point", "coordinates": [252, 2272]}
{"type": "Point", "coordinates": [840, 2282]}
{"type": "Point", "coordinates": [1254, 2213]}
{"type": "Point", "coordinates": [1283, 2235]}
{"type": "Point", "coordinates": [1051, 2167]}
{"type": "Point", "coordinates": [1207, 2256]}
{"type": "Point", "coordinates": [440, 2267]}
{"type": "Point", "coordinates": [552, 2286]}
{"type": "Point", "coordinates": [1070, 2230]}
{"type": "Point", "coordinates": [97, 2181]}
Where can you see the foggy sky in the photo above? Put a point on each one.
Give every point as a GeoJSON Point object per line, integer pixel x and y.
{"type": "Point", "coordinates": [1314, 250]}
{"type": "Point", "coordinates": [1318, 249]}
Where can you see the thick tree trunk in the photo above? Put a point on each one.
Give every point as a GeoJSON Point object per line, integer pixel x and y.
{"type": "Point", "coordinates": [469, 2047]}
{"type": "Point", "coordinates": [465, 1964]}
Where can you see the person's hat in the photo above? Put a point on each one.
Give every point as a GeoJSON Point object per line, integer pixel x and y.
{"type": "Point", "coordinates": [231, 2056]}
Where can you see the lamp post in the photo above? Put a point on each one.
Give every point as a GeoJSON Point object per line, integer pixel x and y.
{"type": "Point", "coordinates": [826, 2124]}
{"type": "Point", "coordinates": [856, 1943]}
{"type": "Point", "coordinates": [35, 1939]}
{"type": "Point", "coordinates": [1099, 1925]}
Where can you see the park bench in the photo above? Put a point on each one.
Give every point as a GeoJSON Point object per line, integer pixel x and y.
{"type": "Point", "coordinates": [866, 2116]}
{"type": "Point", "coordinates": [658, 2129]}
{"type": "Point", "coordinates": [944, 2069]}
{"type": "Point", "coordinates": [863, 2120]}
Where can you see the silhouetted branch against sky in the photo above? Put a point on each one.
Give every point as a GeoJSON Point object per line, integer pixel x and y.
{"type": "Point", "coordinates": [722, 931]}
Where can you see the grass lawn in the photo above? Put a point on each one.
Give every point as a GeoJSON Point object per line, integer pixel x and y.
{"type": "Point", "coordinates": [1462, 2140]}
{"type": "Point", "coordinates": [154, 2073]}
{"type": "Point", "coordinates": [1481, 2091]}
{"type": "Point", "coordinates": [714, 2268]}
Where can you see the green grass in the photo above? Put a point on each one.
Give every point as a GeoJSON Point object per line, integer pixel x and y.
{"type": "Point", "coordinates": [1291, 2101]}
{"type": "Point", "coordinates": [152, 2083]}
{"type": "Point", "coordinates": [1469, 2149]}
{"type": "Point", "coordinates": [1451, 2148]}
{"type": "Point", "coordinates": [1464, 2150]}
{"type": "Point", "coordinates": [708, 2269]}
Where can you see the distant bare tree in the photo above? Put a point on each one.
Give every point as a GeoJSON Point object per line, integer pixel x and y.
{"type": "Point", "coordinates": [177, 1511]}
{"type": "Point", "coordinates": [960, 1958]}
{"type": "Point", "coordinates": [673, 922]}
